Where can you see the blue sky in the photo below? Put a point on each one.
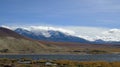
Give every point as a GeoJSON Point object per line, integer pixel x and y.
{"type": "Point", "coordinates": [93, 13]}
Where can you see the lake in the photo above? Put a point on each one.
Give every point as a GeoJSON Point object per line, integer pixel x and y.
{"type": "Point", "coordinates": [99, 57]}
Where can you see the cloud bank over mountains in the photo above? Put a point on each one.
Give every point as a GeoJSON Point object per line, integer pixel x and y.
{"type": "Point", "coordinates": [88, 33]}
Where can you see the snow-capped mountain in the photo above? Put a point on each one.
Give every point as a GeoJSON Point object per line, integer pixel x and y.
{"type": "Point", "coordinates": [49, 35]}
{"type": "Point", "coordinates": [94, 35]}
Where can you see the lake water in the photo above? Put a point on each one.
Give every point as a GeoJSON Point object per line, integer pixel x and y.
{"type": "Point", "coordinates": [100, 57]}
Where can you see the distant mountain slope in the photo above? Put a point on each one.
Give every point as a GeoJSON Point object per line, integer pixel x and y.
{"type": "Point", "coordinates": [99, 41]}
{"type": "Point", "coordinates": [50, 35]}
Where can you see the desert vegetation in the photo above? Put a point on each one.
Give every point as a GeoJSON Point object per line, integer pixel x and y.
{"type": "Point", "coordinates": [54, 63]}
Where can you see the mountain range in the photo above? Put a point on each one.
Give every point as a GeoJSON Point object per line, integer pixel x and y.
{"type": "Point", "coordinates": [57, 36]}
{"type": "Point", "coordinates": [12, 42]}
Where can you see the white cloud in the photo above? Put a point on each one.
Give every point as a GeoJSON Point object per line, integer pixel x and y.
{"type": "Point", "coordinates": [45, 28]}
{"type": "Point", "coordinates": [6, 26]}
{"type": "Point", "coordinates": [111, 35]}
{"type": "Point", "coordinates": [94, 33]}
{"type": "Point", "coordinates": [89, 33]}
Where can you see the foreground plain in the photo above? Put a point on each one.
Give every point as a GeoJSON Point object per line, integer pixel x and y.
{"type": "Point", "coordinates": [54, 63]}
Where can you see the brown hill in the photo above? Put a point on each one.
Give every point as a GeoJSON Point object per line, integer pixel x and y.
{"type": "Point", "coordinates": [11, 42]}
{"type": "Point", "coordinates": [4, 32]}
